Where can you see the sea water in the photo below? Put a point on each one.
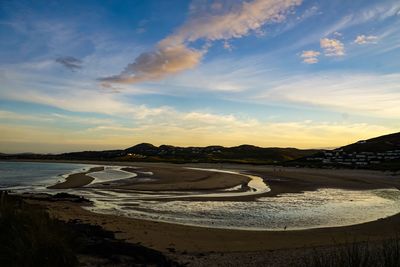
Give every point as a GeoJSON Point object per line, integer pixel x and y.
{"type": "Point", "coordinates": [34, 174]}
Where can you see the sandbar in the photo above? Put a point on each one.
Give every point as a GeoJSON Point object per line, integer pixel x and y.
{"type": "Point", "coordinates": [77, 179]}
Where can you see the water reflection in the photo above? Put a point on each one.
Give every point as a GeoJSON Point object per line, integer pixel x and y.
{"type": "Point", "coordinates": [321, 208]}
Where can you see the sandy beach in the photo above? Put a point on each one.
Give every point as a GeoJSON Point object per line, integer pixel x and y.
{"type": "Point", "coordinates": [178, 178]}
{"type": "Point", "coordinates": [204, 246]}
{"type": "Point", "coordinates": [201, 246]}
{"type": "Point", "coordinates": [164, 178]}
{"type": "Point", "coordinates": [281, 180]}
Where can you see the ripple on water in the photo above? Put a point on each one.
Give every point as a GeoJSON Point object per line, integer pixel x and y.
{"type": "Point", "coordinates": [321, 208]}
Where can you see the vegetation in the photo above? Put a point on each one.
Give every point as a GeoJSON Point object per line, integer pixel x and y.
{"type": "Point", "coordinates": [30, 237]}
{"type": "Point", "coordinates": [377, 144]}
{"type": "Point", "coordinates": [385, 254]}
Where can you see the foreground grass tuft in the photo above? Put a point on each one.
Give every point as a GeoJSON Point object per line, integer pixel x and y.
{"type": "Point", "coordinates": [363, 254]}
{"type": "Point", "coordinates": [29, 237]}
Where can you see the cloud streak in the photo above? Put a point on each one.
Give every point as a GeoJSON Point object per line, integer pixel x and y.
{"type": "Point", "coordinates": [364, 39]}
{"type": "Point", "coordinates": [355, 93]}
{"type": "Point", "coordinates": [70, 63]}
{"type": "Point", "coordinates": [310, 56]}
{"type": "Point", "coordinates": [232, 21]}
{"type": "Point", "coordinates": [158, 64]}
{"type": "Point", "coordinates": [208, 23]}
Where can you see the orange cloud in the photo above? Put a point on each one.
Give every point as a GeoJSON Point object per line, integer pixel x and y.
{"type": "Point", "coordinates": [332, 47]}
{"type": "Point", "coordinates": [310, 56]}
{"type": "Point", "coordinates": [207, 22]}
{"type": "Point", "coordinates": [158, 64]}
{"type": "Point", "coordinates": [239, 21]}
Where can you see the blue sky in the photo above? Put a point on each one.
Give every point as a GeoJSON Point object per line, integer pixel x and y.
{"type": "Point", "coordinates": [78, 75]}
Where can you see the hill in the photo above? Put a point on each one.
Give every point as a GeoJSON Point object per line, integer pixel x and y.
{"type": "Point", "coordinates": [240, 154]}
{"type": "Point", "coordinates": [381, 152]}
{"type": "Point", "coordinates": [167, 153]}
{"type": "Point", "coordinates": [377, 144]}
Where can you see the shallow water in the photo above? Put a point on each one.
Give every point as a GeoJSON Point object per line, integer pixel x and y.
{"type": "Point", "coordinates": [34, 175]}
{"type": "Point", "coordinates": [321, 208]}
{"type": "Point", "coordinates": [111, 173]}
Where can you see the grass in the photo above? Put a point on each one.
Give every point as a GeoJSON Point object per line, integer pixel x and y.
{"type": "Point", "coordinates": [29, 237]}
{"type": "Point", "coordinates": [357, 254]}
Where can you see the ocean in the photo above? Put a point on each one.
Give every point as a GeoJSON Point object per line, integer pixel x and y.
{"type": "Point", "coordinates": [31, 175]}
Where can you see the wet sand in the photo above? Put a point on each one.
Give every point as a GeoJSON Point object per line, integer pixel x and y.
{"type": "Point", "coordinates": [180, 178]}
{"type": "Point", "coordinates": [280, 179]}
{"type": "Point", "coordinates": [220, 245]}
{"type": "Point", "coordinates": [77, 179]}
{"type": "Point", "coordinates": [164, 178]}
{"type": "Point", "coordinates": [297, 180]}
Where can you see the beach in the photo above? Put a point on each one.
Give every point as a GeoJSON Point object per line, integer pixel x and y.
{"type": "Point", "coordinates": [200, 246]}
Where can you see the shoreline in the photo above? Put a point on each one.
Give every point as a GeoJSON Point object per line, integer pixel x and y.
{"type": "Point", "coordinates": [280, 179]}
{"type": "Point", "coordinates": [223, 246]}
{"type": "Point", "coordinates": [76, 180]}
{"type": "Point", "coordinates": [180, 241]}
{"type": "Point", "coordinates": [255, 239]}
{"type": "Point", "coordinates": [286, 180]}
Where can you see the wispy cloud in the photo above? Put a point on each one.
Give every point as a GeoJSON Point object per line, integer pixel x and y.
{"type": "Point", "coordinates": [366, 39]}
{"type": "Point", "coordinates": [310, 56]}
{"type": "Point", "coordinates": [70, 63]}
{"type": "Point", "coordinates": [308, 13]}
{"type": "Point", "coordinates": [10, 115]}
{"type": "Point", "coordinates": [365, 94]}
{"type": "Point", "coordinates": [376, 13]}
{"type": "Point", "coordinates": [52, 118]}
{"type": "Point", "coordinates": [207, 23]}
{"type": "Point", "coordinates": [342, 22]}
{"type": "Point", "coordinates": [332, 47]}
{"type": "Point", "coordinates": [141, 28]}
{"type": "Point", "coordinates": [234, 20]}
{"type": "Point", "coordinates": [228, 46]}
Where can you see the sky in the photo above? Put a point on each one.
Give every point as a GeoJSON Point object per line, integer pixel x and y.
{"type": "Point", "coordinates": [94, 75]}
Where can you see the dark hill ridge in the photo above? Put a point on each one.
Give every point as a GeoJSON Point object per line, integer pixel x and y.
{"type": "Point", "coordinates": [382, 153]}
{"type": "Point", "coordinates": [377, 144]}
{"type": "Point", "coordinates": [141, 147]}
{"type": "Point", "coordinates": [243, 153]}
{"type": "Point", "coordinates": [167, 153]}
